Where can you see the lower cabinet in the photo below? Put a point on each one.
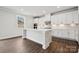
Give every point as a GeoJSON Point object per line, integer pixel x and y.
{"type": "Point", "coordinates": [66, 33]}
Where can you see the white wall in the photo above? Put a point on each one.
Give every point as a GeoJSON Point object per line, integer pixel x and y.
{"type": "Point", "coordinates": [8, 25]}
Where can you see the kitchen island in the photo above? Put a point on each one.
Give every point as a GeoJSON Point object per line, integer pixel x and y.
{"type": "Point", "coordinates": [41, 36]}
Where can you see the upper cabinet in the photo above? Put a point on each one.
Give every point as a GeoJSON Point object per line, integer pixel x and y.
{"type": "Point", "coordinates": [65, 18]}
{"type": "Point", "coordinates": [72, 17]}
{"type": "Point", "coordinates": [75, 17]}
{"type": "Point", "coordinates": [54, 19]}
{"type": "Point", "coordinates": [69, 17]}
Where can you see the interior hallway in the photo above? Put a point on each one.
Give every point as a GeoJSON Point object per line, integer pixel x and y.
{"type": "Point", "coordinates": [19, 45]}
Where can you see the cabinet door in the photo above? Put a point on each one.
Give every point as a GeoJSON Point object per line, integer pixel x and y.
{"type": "Point", "coordinates": [56, 33]}
{"type": "Point", "coordinates": [65, 34]}
{"type": "Point", "coordinates": [72, 34]}
{"type": "Point", "coordinates": [56, 19]}
{"type": "Point", "coordinates": [53, 32]}
{"type": "Point", "coordinates": [59, 33]}
{"type": "Point", "coordinates": [75, 17]}
{"type": "Point", "coordinates": [53, 19]}
{"type": "Point", "coordinates": [59, 18]}
{"type": "Point", "coordinates": [63, 18]}
{"type": "Point", "coordinates": [76, 35]}
{"type": "Point", "coordinates": [69, 18]}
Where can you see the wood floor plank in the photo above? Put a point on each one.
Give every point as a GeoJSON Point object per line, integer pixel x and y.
{"type": "Point", "coordinates": [19, 45]}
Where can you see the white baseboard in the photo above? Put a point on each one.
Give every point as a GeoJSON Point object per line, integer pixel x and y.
{"type": "Point", "coordinates": [7, 37]}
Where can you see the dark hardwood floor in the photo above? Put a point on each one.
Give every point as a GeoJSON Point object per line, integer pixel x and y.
{"type": "Point", "coordinates": [19, 45]}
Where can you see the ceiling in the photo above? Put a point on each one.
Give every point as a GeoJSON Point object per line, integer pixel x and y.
{"type": "Point", "coordinates": [37, 10]}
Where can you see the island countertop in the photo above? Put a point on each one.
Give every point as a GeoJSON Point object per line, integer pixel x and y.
{"type": "Point", "coordinates": [39, 29]}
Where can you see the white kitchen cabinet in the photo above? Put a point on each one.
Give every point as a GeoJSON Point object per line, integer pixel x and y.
{"type": "Point", "coordinates": [75, 16]}
{"type": "Point", "coordinates": [60, 33]}
{"type": "Point", "coordinates": [53, 32]}
{"type": "Point", "coordinates": [72, 17]}
{"type": "Point", "coordinates": [77, 35]}
{"type": "Point", "coordinates": [54, 19]}
{"type": "Point", "coordinates": [71, 34]}
{"type": "Point", "coordinates": [65, 18]}
{"type": "Point", "coordinates": [65, 33]}
{"type": "Point", "coordinates": [58, 18]}
{"type": "Point", "coordinates": [41, 36]}
{"type": "Point", "coordinates": [56, 33]}
{"type": "Point", "coordinates": [74, 35]}
{"type": "Point", "coordinates": [69, 17]}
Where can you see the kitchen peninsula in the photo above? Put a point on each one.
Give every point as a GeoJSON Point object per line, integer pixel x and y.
{"type": "Point", "coordinates": [41, 36]}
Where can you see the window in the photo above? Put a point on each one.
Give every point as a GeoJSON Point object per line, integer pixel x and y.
{"type": "Point", "coordinates": [20, 21]}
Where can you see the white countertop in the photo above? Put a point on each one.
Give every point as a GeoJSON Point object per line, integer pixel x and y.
{"type": "Point", "coordinates": [39, 29]}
